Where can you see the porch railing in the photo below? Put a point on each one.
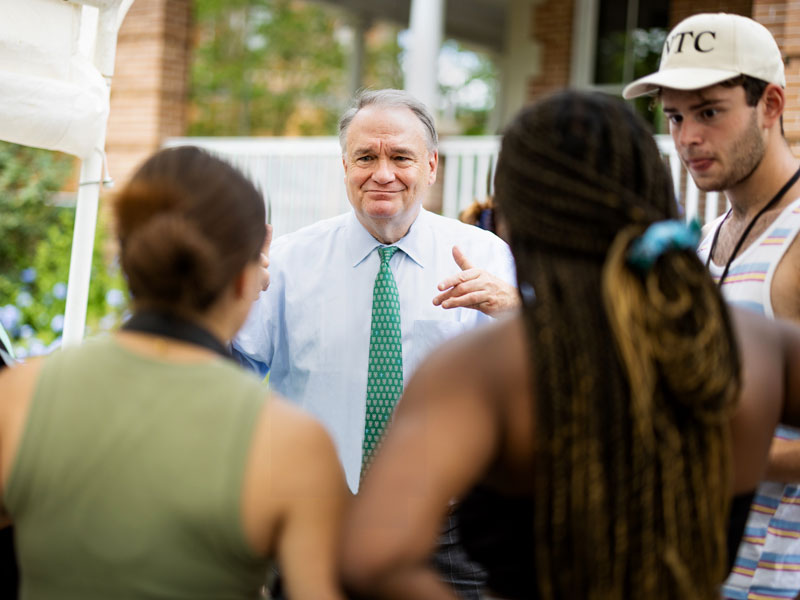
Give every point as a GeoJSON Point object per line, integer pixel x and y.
{"type": "Point", "coordinates": [302, 178]}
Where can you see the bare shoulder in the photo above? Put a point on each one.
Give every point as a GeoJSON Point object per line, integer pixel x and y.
{"type": "Point", "coordinates": [762, 354]}
{"type": "Point", "coordinates": [770, 388]}
{"type": "Point", "coordinates": [17, 386]}
{"type": "Point", "coordinates": [485, 356]}
{"type": "Point", "coordinates": [759, 340]}
{"type": "Point", "coordinates": [21, 374]}
{"type": "Point", "coordinates": [785, 288]}
{"type": "Point", "coordinates": [291, 458]}
{"type": "Point", "coordinates": [293, 438]}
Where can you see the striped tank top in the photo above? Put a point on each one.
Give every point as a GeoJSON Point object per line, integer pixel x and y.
{"type": "Point", "coordinates": [767, 565]}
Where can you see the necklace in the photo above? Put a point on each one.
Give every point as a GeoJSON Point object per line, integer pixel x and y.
{"type": "Point", "coordinates": [775, 199]}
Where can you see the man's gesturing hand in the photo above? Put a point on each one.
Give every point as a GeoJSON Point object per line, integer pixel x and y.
{"type": "Point", "coordinates": [476, 288]}
{"type": "Point", "coordinates": [264, 260]}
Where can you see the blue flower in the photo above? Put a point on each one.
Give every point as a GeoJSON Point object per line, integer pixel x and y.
{"type": "Point", "coordinates": [9, 317]}
{"type": "Point", "coordinates": [57, 323]}
{"type": "Point", "coordinates": [37, 348]}
{"type": "Point", "coordinates": [24, 299]}
{"type": "Point", "coordinates": [28, 275]}
{"type": "Point", "coordinates": [54, 345]}
{"type": "Point", "coordinates": [26, 331]}
{"type": "Point", "coordinates": [108, 322]}
{"type": "Point", "coordinates": [115, 298]}
{"type": "Point", "coordinates": [60, 290]}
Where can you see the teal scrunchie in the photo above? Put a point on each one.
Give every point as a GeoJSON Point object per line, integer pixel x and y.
{"type": "Point", "coordinates": [659, 238]}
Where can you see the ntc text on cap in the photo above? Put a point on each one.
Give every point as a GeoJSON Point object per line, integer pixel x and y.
{"type": "Point", "coordinates": [709, 48]}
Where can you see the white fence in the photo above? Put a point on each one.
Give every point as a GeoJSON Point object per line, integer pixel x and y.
{"type": "Point", "coordinates": [302, 178]}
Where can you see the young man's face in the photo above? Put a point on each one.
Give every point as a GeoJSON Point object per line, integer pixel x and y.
{"type": "Point", "coordinates": [718, 136]}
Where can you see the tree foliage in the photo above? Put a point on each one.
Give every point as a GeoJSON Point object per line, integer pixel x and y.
{"type": "Point", "coordinates": [277, 67]}
{"type": "Point", "coordinates": [263, 67]}
{"type": "Point", "coordinates": [35, 248]}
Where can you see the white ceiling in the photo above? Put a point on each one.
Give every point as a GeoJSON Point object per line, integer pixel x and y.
{"type": "Point", "coordinates": [480, 22]}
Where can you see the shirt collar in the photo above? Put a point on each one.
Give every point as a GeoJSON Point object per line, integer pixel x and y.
{"type": "Point", "coordinates": [361, 243]}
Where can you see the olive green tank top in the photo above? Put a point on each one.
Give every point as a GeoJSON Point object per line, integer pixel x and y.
{"type": "Point", "coordinates": [128, 478]}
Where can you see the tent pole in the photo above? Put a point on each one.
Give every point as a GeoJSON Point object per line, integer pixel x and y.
{"type": "Point", "coordinates": [92, 172]}
{"type": "Point", "coordinates": [80, 266]}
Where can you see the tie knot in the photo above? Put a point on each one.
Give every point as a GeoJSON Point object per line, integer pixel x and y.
{"type": "Point", "coordinates": [386, 253]}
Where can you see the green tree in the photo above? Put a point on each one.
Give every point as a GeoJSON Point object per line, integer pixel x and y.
{"type": "Point", "coordinates": [28, 178]}
{"type": "Point", "coordinates": [467, 83]}
{"type": "Point", "coordinates": [277, 67]}
{"type": "Point", "coordinates": [264, 66]}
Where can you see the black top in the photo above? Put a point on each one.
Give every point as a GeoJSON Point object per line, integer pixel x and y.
{"type": "Point", "coordinates": [497, 533]}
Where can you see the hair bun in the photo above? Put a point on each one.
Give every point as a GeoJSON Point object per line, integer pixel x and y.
{"type": "Point", "coordinates": [188, 223]}
{"type": "Point", "coordinates": [169, 259]}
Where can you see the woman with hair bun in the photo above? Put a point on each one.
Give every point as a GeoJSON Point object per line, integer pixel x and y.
{"type": "Point", "coordinates": [597, 438]}
{"type": "Point", "coordinates": [147, 464]}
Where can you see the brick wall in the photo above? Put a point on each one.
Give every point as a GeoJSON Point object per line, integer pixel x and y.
{"type": "Point", "coordinates": [680, 9]}
{"type": "Point", "coordinates": [552, 29]}
{"type": "Point", "coordinates": [148, 92]}
{"type": "Point", "coordinates": [783, 20]}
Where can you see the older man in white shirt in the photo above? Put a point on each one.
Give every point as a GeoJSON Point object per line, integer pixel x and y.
{"type": "Point", "coordinates": [315, 329]}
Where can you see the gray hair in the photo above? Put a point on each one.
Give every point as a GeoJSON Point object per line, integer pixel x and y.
{"type": "Point", "coordinates": [390, 98]}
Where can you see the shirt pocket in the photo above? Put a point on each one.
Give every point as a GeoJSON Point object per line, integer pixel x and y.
{"type": "Point", "coordinates": [427, 336]}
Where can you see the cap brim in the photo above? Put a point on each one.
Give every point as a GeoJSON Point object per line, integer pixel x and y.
{"type": "Point", "coordinates": [676, 79]}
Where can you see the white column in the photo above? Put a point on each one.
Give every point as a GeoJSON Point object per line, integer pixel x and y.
{"type": "Point", "coordinates": [523, 57]}
{"type": "Point", "coordinates": [360, 24]}
{"type": "Point", "coordinates": [425, 40]}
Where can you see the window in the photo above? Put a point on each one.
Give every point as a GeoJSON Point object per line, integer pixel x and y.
{"type": "Point", "coordinates": [616, 41]}
{"type": "Point", "coordinates": [629, 39]}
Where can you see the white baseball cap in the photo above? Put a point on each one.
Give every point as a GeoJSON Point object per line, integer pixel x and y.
{"type": "Point", "coordinates": [709, 48]}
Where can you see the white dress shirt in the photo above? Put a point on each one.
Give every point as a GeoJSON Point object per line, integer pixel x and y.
{"type": "Point", "coordinates": [311, 328]}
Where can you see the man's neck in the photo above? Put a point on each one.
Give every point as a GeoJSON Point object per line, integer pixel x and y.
{"type": "Point", "coordinates": [389, 231]}
{"type": "Point", "coordinates": [752, 194]}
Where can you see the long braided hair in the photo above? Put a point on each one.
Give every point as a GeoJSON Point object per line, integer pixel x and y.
{"type": "Point", "coordinates": [635, 374]}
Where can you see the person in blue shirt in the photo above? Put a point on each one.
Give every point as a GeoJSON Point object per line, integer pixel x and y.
{"type": "Point", "coordinates": [312, 328]}
{"type": "Point", "coordinates": [601, 438]}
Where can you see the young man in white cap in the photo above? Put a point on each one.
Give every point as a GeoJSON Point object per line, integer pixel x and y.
{"type": "Point", "coordinates": [721, 84]}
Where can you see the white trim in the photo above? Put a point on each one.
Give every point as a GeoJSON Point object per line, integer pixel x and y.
{"type": "Point", "coordinates": [584, 41]}
{"type": "Point", "coordinates": [426, 24]}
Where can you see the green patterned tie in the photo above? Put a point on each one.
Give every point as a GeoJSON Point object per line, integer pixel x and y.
{"type": "Point", "coordinates": [385, 374]}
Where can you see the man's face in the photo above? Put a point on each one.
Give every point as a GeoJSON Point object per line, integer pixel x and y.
{"type": "Point", "coordinates": [717, 135]}
{"type": "Point", "coordinates": [388, 168]}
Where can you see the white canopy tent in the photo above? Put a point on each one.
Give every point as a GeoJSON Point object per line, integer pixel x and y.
{"type": "Point", "coordinates": [56, 64]}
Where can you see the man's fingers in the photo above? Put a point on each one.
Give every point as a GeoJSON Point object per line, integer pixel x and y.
{"type": "Point", "coordinates": [459, 279]}
{"type": "Point", "coordinates": [461, 260]}
{"type": "Point", "coordinates": [263, 261]}
{"type": "Point", "coordinates": [461, 289]}
{"type": "Point", "coordinates": [472, 299]}
{"type": "Point", "coordinates": [267, 240]}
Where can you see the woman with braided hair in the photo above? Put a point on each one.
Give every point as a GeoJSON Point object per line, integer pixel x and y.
{"type": "Point", "coordinates": [596, 439]}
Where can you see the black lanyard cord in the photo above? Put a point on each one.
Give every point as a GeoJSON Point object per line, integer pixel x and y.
{"type": "Point", "coordinates": [775, 199]}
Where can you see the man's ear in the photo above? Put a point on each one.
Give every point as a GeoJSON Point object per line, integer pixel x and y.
{"type": "Point", "coordinates": [774, 102]}
{"type": "Point", "coordinates": [433, 163]}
